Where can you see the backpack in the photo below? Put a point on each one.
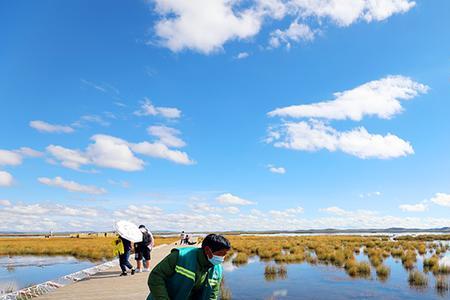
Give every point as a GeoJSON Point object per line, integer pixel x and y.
{"type": "Point", "coordinates": [146, 239]}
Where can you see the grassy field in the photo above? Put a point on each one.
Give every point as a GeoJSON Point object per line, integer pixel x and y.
{"type": "Point", "coordinates": [340, 251]}
{"type": "Point", "coordinates": [93, 248]}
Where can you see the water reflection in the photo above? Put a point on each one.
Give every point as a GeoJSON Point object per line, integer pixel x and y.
{"type": "Point", "coordinates": [17, 272]}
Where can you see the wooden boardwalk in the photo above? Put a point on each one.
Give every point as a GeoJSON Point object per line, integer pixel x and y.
{"type": "Point", "coordinates": [109, 285]}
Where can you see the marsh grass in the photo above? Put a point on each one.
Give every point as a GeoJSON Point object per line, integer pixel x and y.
{"type": "Point", "coordinates": [93, 248]}
{"type": "Point", "coordinates": [383, 272]}
{"type": "Point", "coordinates": [274, 272]}
{"type": "Point", "coordinates": [240, 259]}
{"type": "Point", "coordinates": [417, 279]}
{"type": "Point", "coordinates": [442, 285]}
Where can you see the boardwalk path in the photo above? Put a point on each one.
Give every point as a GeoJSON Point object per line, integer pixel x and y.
{"type": "Point", "coordinates": [108, 284]}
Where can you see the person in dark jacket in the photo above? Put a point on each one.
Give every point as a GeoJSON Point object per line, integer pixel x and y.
{"type": "Point", "coordinates": [124, 257]}
{"type": "Point", "coordinates": [189, 272]}
{"type": "Point", "coordinates": [142, 250]}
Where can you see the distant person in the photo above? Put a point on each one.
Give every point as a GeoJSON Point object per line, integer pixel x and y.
{"type": "Point", "coordinates": [182, 236]}
{"type": "Point", "coordinates": [123, 249]}
{"type": "Point", "coordinates": [186, 239]}
{"type": "Point", "coordinates": [190, 273]}
{"type": "Point", "coordinates": [142, 250]}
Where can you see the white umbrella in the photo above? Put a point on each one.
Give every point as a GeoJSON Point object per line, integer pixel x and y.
{"type": "Point", "coordinates": [128, 231]}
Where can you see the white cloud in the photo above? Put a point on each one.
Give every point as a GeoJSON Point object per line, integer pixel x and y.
{"type": "Point", "coordinates": [441, 199]}
{"type": "Point", "coordinates": [370, 194]}
{"type": "Point", "coordinates": [50, 128]}
{"type": "Point", "coordinates": [6, 179]}
{"type": "Point", "coordinates": [315, 135]}
{"type": "Point", "coordinates": [159, 150]}
{"type": "Point", "coordinates": [346, 12]}
{"type": "Point", "coordinates": [69, 158]}
{"type": "Point", "coordinates": [242, 55]}
{"type": "Point", "coordinates": [167, 136]}
{"type": "Point", "coordinates": [419, 207]}
{"type": "Point", "coordinates": [277, 170]}
{"type": "Point", "coordinates": [71, 186]}
{"type": "Point", "coordinates": [205, 207]}
{"type": "Point", "coordinates": [111, 152]}
{"type": "Point", "coordinates": [230, 199]}
{"type": "Point", "coordinates": [84, 120]}
{"type": "Point", "coordinates": [334, 210]}
{"type": "Point", "coordinates": [379, 98]}
{"type": "Point", "coordinates": [205, 26]}
{"type": "Point", "coordinates": [295, 33]}
{"type": "Point", "coordinates": [26, 151]}
{"type": "Point", "coordinates": [287, 213]}
{"type": "Point", "coordinates": [9, 158]}
{"type": "Point", "coordinates": [4, 202]}
{"type": "Point", "coordinates": [148, 109]}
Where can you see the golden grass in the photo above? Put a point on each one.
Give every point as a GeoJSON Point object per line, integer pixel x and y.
{"type": "Point", "coordinates": [94, 248]}
{"type": "Point", "coordinates": [240, 259]}
{"type": "Point", "coordinates": [383, 272]}
{"type": "Point", "coordinates": [340, 251]}
{"type": "Point", "coordinates": [417, 279]}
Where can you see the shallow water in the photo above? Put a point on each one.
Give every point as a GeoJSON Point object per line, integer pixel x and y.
{"type": "Point", "coordinates": [17, 272]}
{"type": "Point", "coordinates": [306, 281]}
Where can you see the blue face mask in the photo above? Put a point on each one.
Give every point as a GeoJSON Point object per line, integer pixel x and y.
{"type": "Point", "coordinates": [216, 260]}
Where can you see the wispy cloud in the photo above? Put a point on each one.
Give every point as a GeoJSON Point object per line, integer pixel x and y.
{"type": "Point", "coordinates": [276, 170]}
{"type": "Point", "coordinates": [148, 109]}
{"type": "Point", "coordinates": [71, 186]}
{"type": "Point", "coordinates": [43, 126]}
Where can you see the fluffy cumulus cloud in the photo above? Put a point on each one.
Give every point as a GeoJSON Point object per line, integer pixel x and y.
{"type": "Point", "coordinates": [159, 150]}
{"type": "Point", "coordinates": [167, 136]}
{"type": "Point", "coordinates": [43, 126]}
{"type": "Point", "coordinates": [316, 135]}
{"type": "Point", "coordinates": [148, 109]}
{"type": "Point", "coordinates": [111, 152]}
{"type": "Point", "coordinates": [71, 186]}
{"type": "Point", "coordinates": [380, 98]}
{"type": "Point", "coordinates": [205, 26]}
{"type": "Point", "coordinates": [230, 199]}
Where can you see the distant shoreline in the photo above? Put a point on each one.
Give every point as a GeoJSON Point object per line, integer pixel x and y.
{"type": "Point", "coordinates": [240, 232]}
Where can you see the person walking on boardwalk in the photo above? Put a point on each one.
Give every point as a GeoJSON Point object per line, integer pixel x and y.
{"type": "Point", "coordinates": [182, 236]}
{"type": "Point", "coordinates": [123, 249]}
{"type": "Point", "coordinates": [190, 273]}
{"type": "Point", "coordinates": [142, 250]}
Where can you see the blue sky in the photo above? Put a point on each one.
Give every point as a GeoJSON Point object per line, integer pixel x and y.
{"type": "Point", "coordinates": [224, 115]}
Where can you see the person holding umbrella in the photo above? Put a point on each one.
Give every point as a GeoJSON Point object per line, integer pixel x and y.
{"type": "Point", "coordinates": [123, 249]}
{"type": "Point", "coordinates": [128, 233]}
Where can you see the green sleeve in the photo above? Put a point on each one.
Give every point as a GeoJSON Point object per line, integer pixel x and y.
{"type": "Point", "coordinates": [215, 292]}
{"type": "Point", "coordinates": [159, 275]}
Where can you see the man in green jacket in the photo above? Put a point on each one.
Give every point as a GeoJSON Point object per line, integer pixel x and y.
{"type": "Point", "coordinates": [190, 273]}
